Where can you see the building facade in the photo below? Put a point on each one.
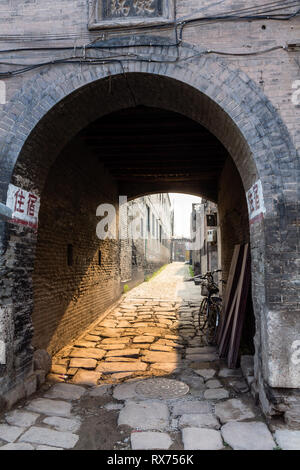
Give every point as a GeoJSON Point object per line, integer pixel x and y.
{"type": "Point", "coordinates": [147, 245]}
{"type": "Point", "coordinates": [219, 84]}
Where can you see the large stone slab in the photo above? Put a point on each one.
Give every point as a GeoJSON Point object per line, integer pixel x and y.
{"type": "Point", "coordinates": [21, 418]}
{"type": "Point", "coordinates": [112, 347]}
{"type": "Point", "coordinates": [160, 347]}
{"type": "Point", "coordinates": [202, 357]}
{"type": "Point", "coordinates": [17, 446]}
{"type": "Point", "coordinates": [201, 350]}
{"type": "Point", "coordinates": [114, 341]}
{"type": "Point", "coordinates": [83, 363]}
{"type": "Point", "coordinates": [125, 391]}
{"type": "Point", "coordinates": [248, 436]}
{"type": "Point", "coordinates": [100, 391]}
{"type": "Point", "coordinates": [65, 391]}
{"type": "Point", "coordinates": [150, 440]}
{"type": "Point", "coordinates": [230, 372]}
{"type": "Point", "coordinates": [155, 356]}
{"type": "Point", "coordinates": [10, 433]}
{"type": "Point", "coordinates": [143, 339]}
{"type": "Point", "coordinates": [86, 377]}
{"type": "Point", "coordinates": [234, 410]}
{"type": "Point", "coordinates": [215, 383]}
{"type": "Point", "coordinates": [38, 435]}
{"type": "Point", "coordinates": [205, 420]}
{"type": "Point", "coordinates": [90, 353]}
{"type": "Point", "coordinates": [50, 407]}
{"type": "Point", "coordinates": [201, 439]}
{"type": "Point", "coordinates": [288, 439]}
{"type": "Point", "coordinates": [165, 366]}
{"type": "Point", "coordinates": [110, 333]}
{"type": "Point", "coordinates": [148, 415]}
{"type": "Point", "coordinates": [110, 367]}
{"type": "Point", "coordinates": [191, 407]}
{"type": "Point", "coordinates": [123, 352]}
{"type": "Point", "coordinates": [63, 424]}
{"type": "Point", "coordinates": [216, 394]}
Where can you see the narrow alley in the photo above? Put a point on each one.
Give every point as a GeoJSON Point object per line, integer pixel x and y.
{"type": "Point", "coordinates": [142, 377]}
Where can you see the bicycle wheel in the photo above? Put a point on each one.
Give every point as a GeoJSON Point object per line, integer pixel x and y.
{"type": "Point", "coordinates": [212, 323]}
{"type": "Point", "coordinates": [203, 314]}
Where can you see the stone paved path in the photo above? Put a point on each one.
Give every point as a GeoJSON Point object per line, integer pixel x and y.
{"type": "Point", "coordinates": [143, 378]}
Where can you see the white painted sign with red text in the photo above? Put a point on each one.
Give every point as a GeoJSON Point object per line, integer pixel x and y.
{"type": "Point", "coordinates": [25, 206]}
{"type": "Point", "coordinates": [255, 201]}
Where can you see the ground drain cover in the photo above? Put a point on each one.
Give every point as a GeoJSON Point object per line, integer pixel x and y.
{"type": "Point", "coordinates": [162, 388]}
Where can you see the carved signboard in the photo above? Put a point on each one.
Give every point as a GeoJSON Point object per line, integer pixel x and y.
{"type": "Point", "coordinates": [118, 13]}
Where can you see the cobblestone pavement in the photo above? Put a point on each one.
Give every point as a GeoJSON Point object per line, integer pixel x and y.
{"type": "Point", "coordinates": [142, 378]}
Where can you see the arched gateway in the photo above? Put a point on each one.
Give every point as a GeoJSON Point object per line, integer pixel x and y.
{"type": "Point", "coordinates": [57, 103]}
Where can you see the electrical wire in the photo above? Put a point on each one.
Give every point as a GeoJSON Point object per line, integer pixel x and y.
{"type": "Point", "coordinates": [177, 23]}
{"type": "Point", "coordinates": [234, 15]}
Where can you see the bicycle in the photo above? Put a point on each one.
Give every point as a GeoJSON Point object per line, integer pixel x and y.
{"type": "Point", "coordinates": [210, 307]}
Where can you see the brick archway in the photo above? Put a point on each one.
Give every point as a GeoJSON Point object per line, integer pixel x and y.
{"type": "Point", "coordinates": [55, 105]}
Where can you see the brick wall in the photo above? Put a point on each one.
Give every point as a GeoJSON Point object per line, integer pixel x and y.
{"type": "Point", "coordinates": [68, 298]}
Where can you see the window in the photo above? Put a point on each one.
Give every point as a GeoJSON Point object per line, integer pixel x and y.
{"type": "Point", "coordinates": [148, 218]}
{"type": "Point", "coordinates": [70, 255]}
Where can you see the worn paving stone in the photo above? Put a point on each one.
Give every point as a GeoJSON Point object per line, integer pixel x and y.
{"type": "Point", "coordinates": [121, 375]}
{"type": "Point", "coordinates": [123, 352]}
{"type": "Point", "coordinates": [202, 357]}
{"type": "Point", "coordinates": [21, 418]}
{"type": "Point", "coordinates": [248, 436]}
{"type": "Point", "coordinates": [288, 439]}
{"type": "Point", "coordinates": [83, 363]}
{"type": "Point", "coordinates": [100, 391]}
{"type": "Point", "coordinates": [41, 447]}
{"type": "Point", "coordinates": [111, 341]}
{"type": "Point", "coordinates": [84, 344]}
{"type": "Point", "coordinates": [17, 446]}
{"type": "Point", "coordinates": [214, 384]}
{"type": "Point", "coordinates": [125, 391]}
{"type": "Point", "coordinates": [230, 373]}
{"type": "Point", "coordinates": [10, 433]}
{"type": "Point", "coordinates": [65, 391]}
{"type": "Point", "coordinates": [143, 339]}
{"type": "Point", "coordinates": [89, 353]}
{"type": "Point", "coordinates": [92, 338]}
{"type": "Point", "coordinates": [234, 410]}
{"type": "Point", "coordinates": [150, 440]}
{"type": "Point", "coordinates": [38, 435]}
{"type": "Point", "coordinates": [112, 347]}
{"type": "Point", "coordinates": [165, 366]}
{"type": "Point", "coordinates": [160, 347]}
{"type": "Point", "coordinates": [201, 439]}
{"type": "Point", "coordinates": [109, 367]}
{"type": "Point", "coordinates": [58, 369]}
{"type": "Point", "coordinates": [191, 407]}
{"type": "Point", "coordinates": [205, 420]}
{"type": "Point", "coordinates": [86, 377]}
{"type": "Point", "coordinates": [216, 394]}
{"type": "Point", "coordinates": [145, 416]}
{"type": "Point", "coordinates": [121, 359]}
{"type": "Point", "coordinates": [201, 350]}
{"type": "Point", "coordinates": [155, 356]}
{"type": "Point", "coordinates": [63, 424]}
{"type": "Point", "coordinates": [50, 407]}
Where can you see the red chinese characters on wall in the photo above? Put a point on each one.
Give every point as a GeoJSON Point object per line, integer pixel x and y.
{"type": "Point", "coordinates": [255, 202]}
{"type": "Point", "coordinates": [24, 205]}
